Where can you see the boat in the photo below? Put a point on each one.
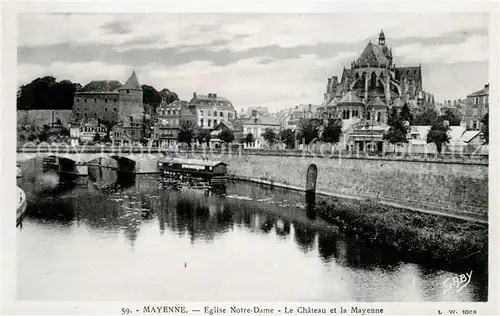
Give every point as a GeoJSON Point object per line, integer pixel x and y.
{"type": "Point", "coordinates": [21, 206]}
{"type": "Point", "coordinates": [204, 169]}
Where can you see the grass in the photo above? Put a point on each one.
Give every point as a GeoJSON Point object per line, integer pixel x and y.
{"type": "Point", "coordinates": [415, 237]}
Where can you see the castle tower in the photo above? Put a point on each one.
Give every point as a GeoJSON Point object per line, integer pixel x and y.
{"type": "Point", "coordinates": [130, 98]}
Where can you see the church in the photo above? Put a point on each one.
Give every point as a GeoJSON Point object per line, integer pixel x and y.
{"type": "Point", "coordinates": [368, 90]}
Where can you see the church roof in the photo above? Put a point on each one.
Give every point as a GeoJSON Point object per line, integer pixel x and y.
{"type": "Point", "coordinates": [376, 103]}
{"type": "Point", "coordinates": [481, 92]}
{"type": "Point", "coordinates": [350, 97]}
{"type": "Point", "coordinates": [373, 55]}
{"type": "Point", "coordinates": [332, 103]}
{"type": "Point", "coordinates": [132, 83]}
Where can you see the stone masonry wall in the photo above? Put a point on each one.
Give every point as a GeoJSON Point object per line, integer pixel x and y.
{"type": "Point", "coordinates": [451, 187]}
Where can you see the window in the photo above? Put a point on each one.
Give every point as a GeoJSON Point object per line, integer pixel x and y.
{"type": "Point", "coordinates": [128, 91]}
{"type": "Point", "coordinates": [368, 115]}
{"type": "Point", "coordinates": [474, 124]}
{"type": "Point", "coordinates": [85, 115]}
{"type": "Point", "coordinates": [209, 122]}
{"type": "Point", "coordinates": [95, 114]}
{"type": "Point", "coordinates": [201, 112]}
{"type": "Point", "coordinates": [95, 100]}
{"type": "Point", "coordinates": [221, 114]}
{"type": "Point", "coordinates": [105, 109]}
{"type": "Point", "coordinates": [215, 113]}
{"type": "Point", "coordinates": [208, 113]}
{"type": "Point", "coordinates": [215, 123]}
{"type": "Point", "coordinates": [229, 115]}
{"type": "Point", "coordinates": [115, 110]}
{"type": "Point", "coordinates": [476, 100]}
{"type": "Point", "coordinates": [77, 100]}
{"type": "Point", "coordinates": [379, 116]}
{"type": "Point", "coordinates": [201, 122]}
{"type": "Point", "coordinates": [115, 100]}
{"type": "Point", "coordinates": [106, 100]}
{"type": "Point", "coordinates": [85, 100]}
{"type": "Point", "coordinates": [173, 112]}
{"type": "Point", "coordinates": [474, 112]}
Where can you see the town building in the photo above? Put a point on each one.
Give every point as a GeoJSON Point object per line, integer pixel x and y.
{"type": "Point", "coordinates": [257, 126]}
{"type": "Point", "coordinates": [476, 106]}
{"type": "Point", "coordinates": [212, 109]}
{"type": "Point", "coordinates": [84, 131]}
{"type": "Point", "coordinates": [169, 120]}
{"type": "Point", "coordinates": [368, 90]}
{"type": "Point", "coordinates": [253, 111]}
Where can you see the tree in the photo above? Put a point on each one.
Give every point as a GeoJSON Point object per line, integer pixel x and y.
{"type": "Point", "coordinates": [308, 130]}
{"type": "Point", "coordinates": [427, 117]}
{"type": "Point", "coordinates": [288, 137]}
{"type": "Point", "coordinates": [226, 136]}
{"type": "Point", "coordinates": [270, 136]}
{"type": "Point", "coordinates": [203, 136]}
{"type": "Point", "coordinates": [486, 128]}
{"type": "Point", "coordinates": [405, 114]}
{"type": "Point", "coordinates": [186, 132]}
{"type": "Point", "coordinates": [397, 130]}
{"type": "Point", "coordinates": [97, 137]}
{"type": "Point", "coordinates": [46, 93]}
{"type": "Point", "coordinates": [31, 137]}
{"type": "Point", "coordinates": [151, 96]}
{"type": "Point", "coordinates": [169, 96]}
{"type": "Point", "coordinates": [109, 126]}
{"type": "Point", "coordinates": [451, 117]}
{"type": "Point", "coordinates": [438, 134]}
{"type": "Point", "coordinates": [332, 132]}
{"type": "Point", "coordinates": [248, 139]}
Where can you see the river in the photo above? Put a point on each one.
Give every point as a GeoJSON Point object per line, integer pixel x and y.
{"type": "Point", "coordinates": [137, 240]}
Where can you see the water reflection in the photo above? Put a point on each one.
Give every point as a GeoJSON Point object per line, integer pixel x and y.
{"type": "Point", "coordinates": [239, 238]}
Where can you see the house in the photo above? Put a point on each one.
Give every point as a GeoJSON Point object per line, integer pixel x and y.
{"type": "Point", "coordinates": [476, 106]}
{"type": "Point", "coordinates": [257, 127]}
{"type": "Point", "coordinates": [85, 130]}
{"type": "Point", "coordinates": [235, 128]}
{"type": "Point", "coordinates": [212, 109]}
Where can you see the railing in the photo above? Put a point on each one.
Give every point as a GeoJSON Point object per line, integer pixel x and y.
{"type": "Point", "coordinates": [456, 156]}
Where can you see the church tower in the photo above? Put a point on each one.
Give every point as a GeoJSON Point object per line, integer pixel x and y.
{"type": "Point", "coordinates": [381, 38]}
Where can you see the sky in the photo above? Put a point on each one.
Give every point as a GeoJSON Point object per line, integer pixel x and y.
{"type": "Point", "coordinates": [273, 60]}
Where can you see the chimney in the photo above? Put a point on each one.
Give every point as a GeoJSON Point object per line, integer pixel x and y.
{"type": "Point", "coordinates": [194, 95]}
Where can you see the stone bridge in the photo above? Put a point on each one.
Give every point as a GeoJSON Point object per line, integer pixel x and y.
{"type": "Point", "coordinates": [76, 160]}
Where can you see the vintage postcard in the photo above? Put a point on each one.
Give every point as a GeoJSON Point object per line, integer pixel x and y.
{"type": "Point", "coordinates": [249, 158]}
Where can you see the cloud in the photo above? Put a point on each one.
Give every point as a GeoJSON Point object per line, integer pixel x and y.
{"type": "Point", "coordinates": [474, 48]}
{"type": "Point", "coordinates": [116, 27]}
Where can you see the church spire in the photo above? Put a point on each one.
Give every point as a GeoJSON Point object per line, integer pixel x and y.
{"type": "Point", "coordinates": [381, 38]}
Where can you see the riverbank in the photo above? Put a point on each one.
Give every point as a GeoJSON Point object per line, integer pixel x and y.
{"type": "Point", "coordinates": [417, 237]}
